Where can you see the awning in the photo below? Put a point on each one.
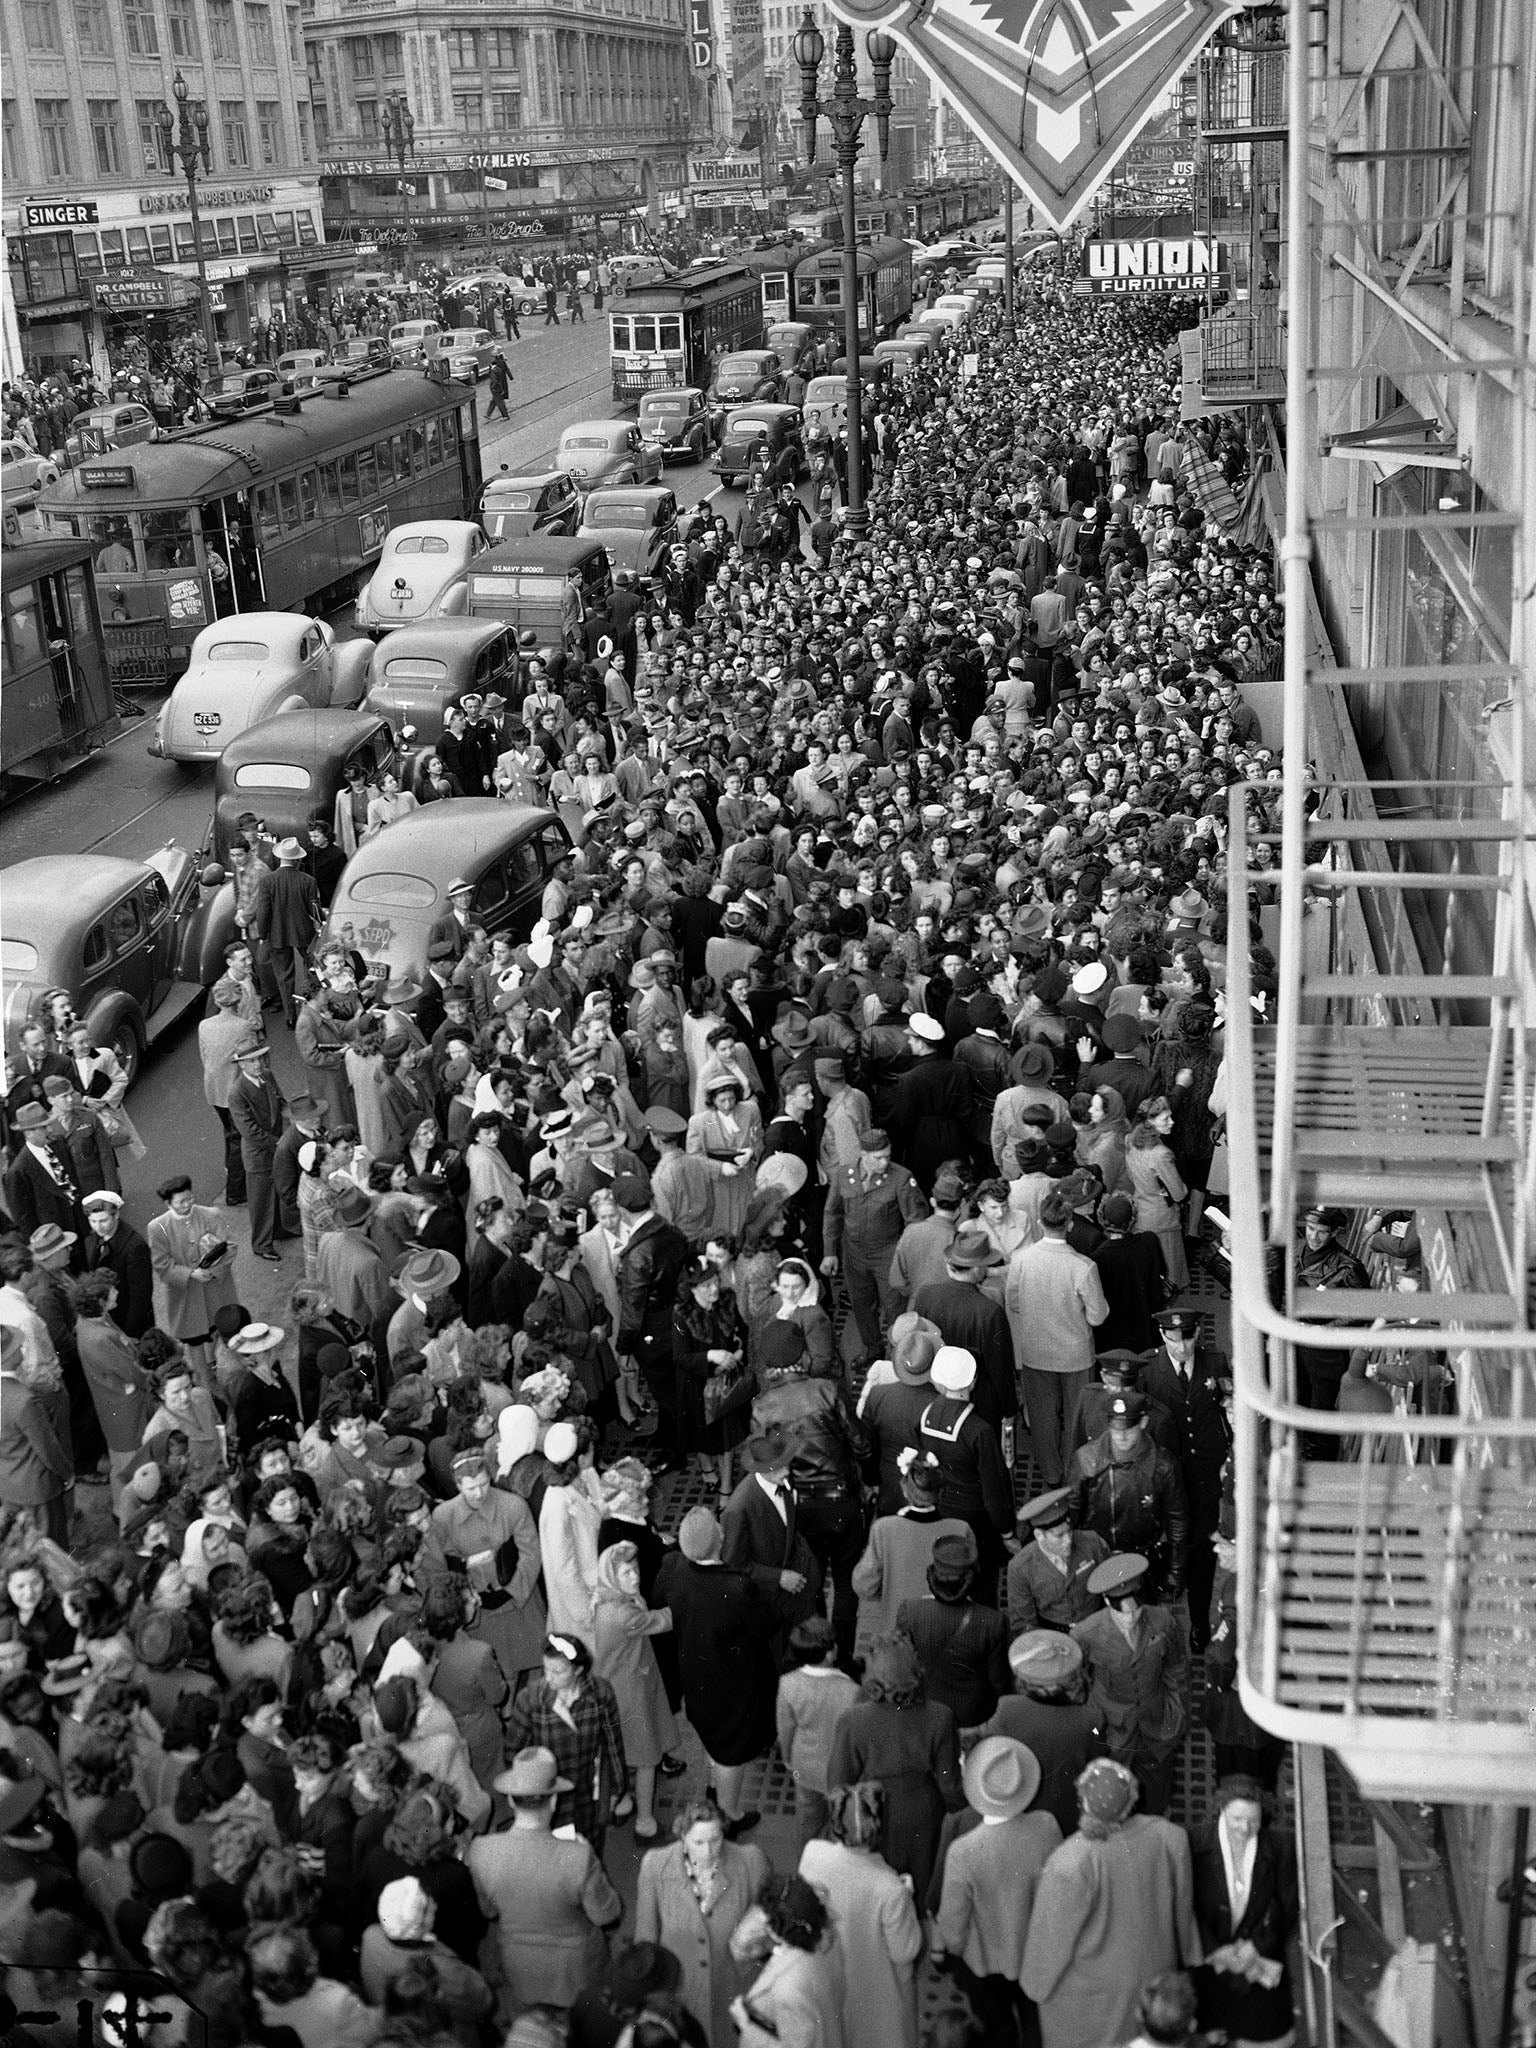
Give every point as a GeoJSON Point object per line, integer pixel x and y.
{"type": "Point", "coordinates": [1400, 439]}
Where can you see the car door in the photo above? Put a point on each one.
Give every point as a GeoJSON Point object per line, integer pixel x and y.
{"type": "Point", "coordinates": [159, 938]}
{"type": "Point", "coordinates": [316, 664]}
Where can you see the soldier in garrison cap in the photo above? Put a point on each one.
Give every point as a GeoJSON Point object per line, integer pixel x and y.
{"type": "Point", "coordinates": [1048, 1578]}
{"type": "Point", "coordinates": [1128, 1490]}
{"type": "Point", "coordinates": [1192, 1382]}
{"type": "Point", "coordinates": [1138, 1675]}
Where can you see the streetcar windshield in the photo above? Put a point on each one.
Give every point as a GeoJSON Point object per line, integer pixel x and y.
{"type": "Point", "coordinates": [403, 892]}
{"type": "Point", "coordinates": [237, 650]}
{"type": "Point", "coordinates": [272, 775]}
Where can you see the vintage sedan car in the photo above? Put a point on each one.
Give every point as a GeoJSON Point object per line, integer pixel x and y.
{"type": "Point", "coordinates": [544, 588]}
{"type": "Point", "coordinates": [23, 471]}
{"type": "Point", "coordinates": [468, 351]}
{"type": "Point", "coordinates": [415, 562]}
{"type": "Point", "coordinates": [750, 427]}
{"type": "Point", "coordinates": [545, 502]}
{"type": "Point", "coordinates": [636, 525]}
{"type": "Point", "coordinates": [678, 422]}
{"type": "Point", "coordinates": [606, 452]}
{"type": "Point", "coordinates": [290, 769]}
{"type": "Point", "coordinates": [395, 888]}
{"type": "Point", "coordinates": [301, 367]}
{"type": "Point", "coordinates": [235, 391]}
{"type": "Point", "coordinates": [359, 352]}
{"type": "Point", "coordinates": [420, 671]}
{"type": "Point", "coordinates": [747, 375]}
{"type": "Point", "coordinates": [251, 666]}
{"type": "Point", "coordinates": [134, 942]}
{"type": "Point", "coordinates": [123, 424]}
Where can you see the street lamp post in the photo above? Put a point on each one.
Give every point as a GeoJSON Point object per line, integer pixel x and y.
{"type": "Point", "coordinates": [398, 125]}
{"type": "Point", "coordinates": [846, 113]}
{"type": "Point", "coordinates": [185, 136]}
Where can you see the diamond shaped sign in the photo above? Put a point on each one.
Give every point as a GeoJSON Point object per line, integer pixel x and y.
{"type": "Point", "coordinates": [1056, 90]}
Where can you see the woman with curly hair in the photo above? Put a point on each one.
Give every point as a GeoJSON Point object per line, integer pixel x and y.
{"type": "Point", "coordinates": [420, 1839]}
{"type": "Point", "coordinates": [879, 1933]}
{"type": "Point", "coordinates": [1158, 1186]}
{"type": "Point", "coordinates": [245, 1644]}
{"type": "Point", "coordinates": [797, 1998]}
{"type": "Point", "coordinates": [183, 1944]}
{"type": "Point", "coordinates": [98, 1768]}
{"type": "Point", "coordinates": [909, 1744]}
{"type": "Point", "coordinates": [290, 1991]}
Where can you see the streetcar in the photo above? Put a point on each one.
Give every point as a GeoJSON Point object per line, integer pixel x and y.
{"type": "Point", "coordinates": [57, 698]}
{"type": "Point", "coordinates": [774, 269]}
{"type": "Point", "coordinates": [674, 331]}
{"type": "Point", "coordinates": [878, 215]}
{"type": "Point", "coordinates": [279, 510]}
{"type": "Point", "coordinates": [816, 224]}
{"type": "Point", "coordinates": [885, 288]}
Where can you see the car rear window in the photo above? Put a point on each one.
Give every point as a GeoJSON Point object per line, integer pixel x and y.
{"type": "Point", "coordinates": [415, 668]}
{"type": "Point", "coordinates": [401, 892]}
{"type": "Point", "coordinates": [535, 589]}
{"type": "Point", "coordinates": [238, 650]}
{"type": "Point", "coordinates": [627, 517]}
{"type": "Point", "coordinates": [420, 544]}
{"type": "Point", "coordinates": [653, 406]}
{"type": "Point", "coordinates": [17, 957]}
{"type": "Point", "coordinates": [739, 366]}
{"type": "Point", "coordinates": [747, 424]}
{"type": "Point", "coordinates": [583, 441]}
{"type": "Point", "coordinates": [508, 501]}
{"type": "Point", "coordinates": [272, 775]}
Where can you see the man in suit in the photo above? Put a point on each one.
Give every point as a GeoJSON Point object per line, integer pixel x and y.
{"type": "Point", "coordinates": [1193, 1382]}
{"type": "Point", "coordinates": [308, 1121]}
{"type": "Point", "coordinates": [454, 924]}
{"type": "Point", "coordinates": [220, 1032]}
{"type": "Point", "coordinates": [1246, 1903]}
{"type": "Point", "coordinates": [112, 1244]}
{"type": "Point", "coordinates": [649, 1277]}
{"type": "Point", "coordinates": [1138, 1670]}
{"type": "Point", "coordinates": [760, 1536]}
{"type": "Point", "coordinates": [36, 1470]}
{"type": "Point", "coordinates": [293, 918]}
{"type": "Point", "coordinates": [974, 1320]}
{"type": "Point", "coordinates": [27, 1075]}
{"type": "Point", "coordinates": [1047, 1712]}
{"type": "Point", "coordinates": [256, 1111]}
{"type": "Point", "coordinates": [39, 1186]}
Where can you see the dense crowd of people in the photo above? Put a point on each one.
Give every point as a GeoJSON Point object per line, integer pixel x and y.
{"type": "Point", "coordinates": [839, 1135]}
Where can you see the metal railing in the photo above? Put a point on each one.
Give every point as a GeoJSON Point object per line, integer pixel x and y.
{"type": "Point", "coordinates": [1242, 353]}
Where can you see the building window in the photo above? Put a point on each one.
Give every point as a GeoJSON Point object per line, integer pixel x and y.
{"type": "Point", "coordinates": [469, 111]}
{"type": "Point", "coordinates": [10, 168]}
{"type": "Point", "coordinates": [501, 49]}
{"type": "Point", "coordinates": [237, 141]}
{"type": "Point", "coordinates": [313, 63]}
{"type": "Point", "coordinates": [222, 41]}
{"type": "Point", "coordinates": [93, 28]}
{"type": "Point", "coordinates": [53, 134]}
{"type": "Point", "coordinates": [322, 114]}
{"type": "Point", "coordinates": [269, 130]}
{"type": "Point", "coordinates": [144, 112]}
{"type": "Point", "coordinates": [106, 137]}
{"type": "Point", "coordinates": [462, 55]}
{"type": "Point", "coordinates": [368, 118]}
{"type": "Point", "coordinates": [258, 33]}
{"type": "Point", "coordinates": [181, 28]}
{"type": "Point", "coordinates": [362, 57]}
{"type": "Point", "coordinates": [506, 111]}
{"type": "Point", "coordinates": [40, 24]}
{"type": "Point", "coordinates": [140, 27]}
{"type": "Point", "coordinates": [306, 149]}
{"type": "Point", "coordinates": [391, 59]}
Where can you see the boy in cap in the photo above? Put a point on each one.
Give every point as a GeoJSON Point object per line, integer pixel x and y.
{"type": "Point", "coordinates": [1138, 1673]}
{"type": "Point", "coordinates": [1048, 1577]}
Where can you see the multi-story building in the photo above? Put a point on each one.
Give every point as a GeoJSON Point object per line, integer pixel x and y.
{"type": "Point", "coordinates": [538, 120]}
{"type": "Point", "coordinates": [97, 223]}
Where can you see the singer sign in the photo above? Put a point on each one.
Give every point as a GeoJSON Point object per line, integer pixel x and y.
{"type": "Point", "coordinates": [1056, 90]}
{"type": "Point", "coordinates": [701, 35]}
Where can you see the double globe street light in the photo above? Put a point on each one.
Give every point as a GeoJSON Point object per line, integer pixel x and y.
{"type": "Point", "coordinates": [184, 136]}
{"type": "Point", "coordinates": [846, 114]}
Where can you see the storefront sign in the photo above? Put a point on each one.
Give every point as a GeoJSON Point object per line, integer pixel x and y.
{"type": "Point", "coordinates": [107, 476]}
{"type": "Point", "coordinates": [701, 35]}
{"type": "Point", "coordinates": [225, 271]}
{"type": "Point", "coordinates": [724, 170]}
{"type": "Point", "coordinates": [1186, 264]}
{"type": "Point", "coordinates": [140, 291]}
{"type": "Point", "coordinates": [208, 198]}
{"type": "Point", "coordinates": [68, 213]}
{"type": "Point", "coordinates": [427, 161]}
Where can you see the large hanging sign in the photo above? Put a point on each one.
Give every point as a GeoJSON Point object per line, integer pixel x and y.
{"type": "Point", "coordinates": [1057, 90]}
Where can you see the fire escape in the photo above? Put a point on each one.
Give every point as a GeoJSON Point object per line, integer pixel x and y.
{"type": "Point", "coordinates": [1239, 183]}
{"type": "Point", "coordinates": [1387, 1603]}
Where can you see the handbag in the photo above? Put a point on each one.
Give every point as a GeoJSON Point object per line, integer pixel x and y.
{"type": "Point", "coordinates": [728, 1387]}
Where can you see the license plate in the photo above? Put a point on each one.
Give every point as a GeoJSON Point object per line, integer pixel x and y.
{"type": "Point", "coordinates": [207, 720]}
{"type": "Point", "coordinates": [402, 594]}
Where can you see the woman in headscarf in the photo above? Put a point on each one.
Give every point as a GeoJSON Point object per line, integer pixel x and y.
{"type": "Point", "coordinates": [206, 1545]}
{"type": "Point", "coordinates": [1102, 1143]}
{"type": "Point", "coordinates": [911, 1745]}
{"type": "Point", "coordinates": [795, 1311]}
{"type": "Point", "coordinates": [623, 1627]}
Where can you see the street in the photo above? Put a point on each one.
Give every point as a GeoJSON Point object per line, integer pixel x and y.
{"type": "Point", "coordinates": [123, 802]}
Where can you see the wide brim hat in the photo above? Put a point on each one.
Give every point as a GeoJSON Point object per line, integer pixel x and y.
{"type": "Point", "coordinates": [767, 1451]}
{"type": "Point", "coordinates": [255, 1339]}
{"type": "Point", "coordinates": [532, 1774]}
{"type": "Point", "coordinates": [915, 1343]}
{"type": "Point", "coordinates": [1033, 1063]}
{"type": "Point", "coordinates": [1044, 1658]}
{"type": "Point", "coordinates": [971, 1251]}
{"type": "Point", "coordinates": [1001, 1776]}
{"type": "Point", "coordinates": [786, 1171]}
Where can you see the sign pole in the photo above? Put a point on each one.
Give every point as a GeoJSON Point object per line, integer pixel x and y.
{"type": "Point", "coordinates": [1008, 246]}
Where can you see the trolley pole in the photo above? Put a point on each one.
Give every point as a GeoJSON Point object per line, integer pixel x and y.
{"type": "Point", "coordinates": [846, 113]}
{"type": "Point", "coordinates": [184, 137]}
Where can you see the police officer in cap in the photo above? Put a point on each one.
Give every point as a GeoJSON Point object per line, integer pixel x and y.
{"type": "Point", "coordinates": [1138, 1675]}
{"type": "Point", "coordinates": [1128, 1490]}
{"type": "Point", "coordinates": [1048, 1578]}
{"type": "Point", "coordinates": [1119, 1372]}
{"type": "Point", "coordinates": [1191, 1381]}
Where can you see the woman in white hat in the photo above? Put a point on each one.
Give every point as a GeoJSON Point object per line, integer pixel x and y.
{"type": "Point", "coordinates": [727, 1134]}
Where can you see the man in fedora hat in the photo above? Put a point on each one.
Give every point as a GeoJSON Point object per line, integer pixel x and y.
{"type": "Point", "coordinates": [760, 1529]}
{"type": "Point", "coordinates": [1032, 1070]}
{"type": "Point", "coordinates": [976, 1321]}
{"type": "Point", "coordinates": [307, 1124]}
{"type": "Point", "coordinates": [418, 1278]}
{"type": "Point", "coordinates": [256, 1111]}
{"type": "Point", "coordinates": [987, 1888]}
{"type": "Point", "coordinates": [920, 1256]}
{"type": "Point", "coordinates": [293, 919]}
{"type": "Point", "coordinates": [40, 1186]}
{"type": "Point", "coordinates": [350, 1266]}
{"type": "Point", "coordinates": [551, 1901]}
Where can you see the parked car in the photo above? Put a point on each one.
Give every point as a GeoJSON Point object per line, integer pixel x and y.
{"type": "Point", "coordinates": [414, 564]}
{"type": "Point", "coordinates": [395, 888]}
{"type": "Point", "coordinates": [361, 352]}
{"type": "Point", "coordinates": [541, 586]}
{"type": "Point", "coordinates": [469, 351]}
{"type": "Point", "coordinates": [419, 671]}
{"type": "Point", "coordinates": [678, 422]}
{"type": "Point", "coordinates": [751, 374]}
{"type": "Point", "coordinates": [235, 391]}
{"type": "Point", "coordinates": [545, 502]}
{"type": "Point", "coordinates": [629, 272]}
{"type": "Point", "coordinates": [301, 367]}
{"type": "Point", "coordinates": [121, 425]}
{"type": "Point", "coordinates": [637, 525]}
{"type": "Point", "coordinates": [749, 427]}
{"type": "Point", "coordinates": [251, 666]}
{"type": "Point", "coordinates": [135, 943]}
{"type": "Point", "coordinates": [289, 769]}
{"type": "Point", "coordinates": [606, 452]}
{"type": "Point", "coordinates": [408, 341]}
{"type": "Point", "coordinates": [23, 470]}
{"type": "Point", "coordinates": [799, 346]}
